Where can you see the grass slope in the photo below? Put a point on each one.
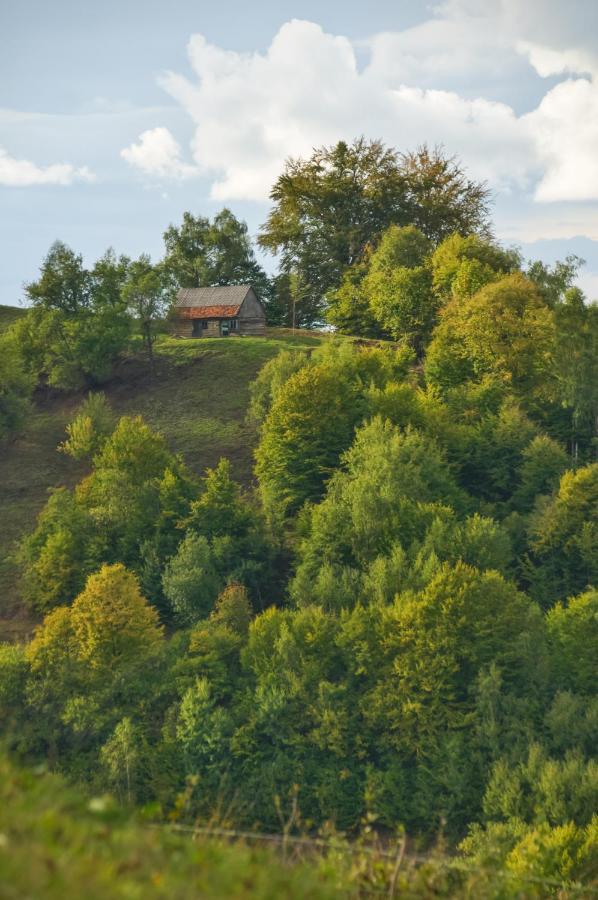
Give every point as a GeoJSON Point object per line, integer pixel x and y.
{"type": "Point", "coordinates": [197, 399]}
{"type": "Point", "coordinates": [9, 314]}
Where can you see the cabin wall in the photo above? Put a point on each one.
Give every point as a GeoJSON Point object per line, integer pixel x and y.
{"type": "Point", "coordinates": [182, 327]}
{"type": "Point", "coordinates": [252, 326]}
{"type": "Point", "coordinates": [251, 316]}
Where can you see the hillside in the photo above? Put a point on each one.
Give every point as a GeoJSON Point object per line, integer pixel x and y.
{"type": "Point", "coordinates": [196, 398]}
{"type": "Point", "coordinates": [9, 314]}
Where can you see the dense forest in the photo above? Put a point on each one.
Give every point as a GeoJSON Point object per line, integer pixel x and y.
{"type": "Point", "coordinates": [392, 630]}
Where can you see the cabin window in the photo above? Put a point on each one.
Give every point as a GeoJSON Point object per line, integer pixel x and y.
{"type": "Point", "coordinates": [204, 324]}
{"type": "Point", "coordinates": [233, 324]}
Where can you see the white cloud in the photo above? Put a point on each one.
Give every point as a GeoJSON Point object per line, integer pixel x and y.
{"type": "Point", "coordinates": [565, 130]}
{"type": "Point", "coordinates": [158, 154]}
{"type": "Point", "coordinates": [24, 173]}
{"type": "Point", "coordinates": [547, 61]}
{"type": "Point", "coordinates": [253, 110]}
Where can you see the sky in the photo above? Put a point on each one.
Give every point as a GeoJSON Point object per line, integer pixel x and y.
{"type": "Point", "coordinates": [117, 117]}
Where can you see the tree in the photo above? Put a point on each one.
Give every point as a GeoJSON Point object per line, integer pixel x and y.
{"type": "Point", "coordinates": [330, 208]}
{"type": "Point", "coordinates": [200, 253]}
{"type": "Point", "coordinates": [190, 582]}
{"type": "Point", "coordinates": [349, 308]}
{"type": "Point", "coordinates": [563, 538]}
{"type": "Point", "coordinates": [90, 662]}
{"type": "Point", "coordinates": [57, 556]}
{"type": "Point", "coordinates": [398, 286]}
{"type": "Point", "coordinates": [113, 626]}
{"type": "Point", "coordinates": [120, 758]}
{"type": "Point", "coordinates": [137, 490]}
{"type": "Point", "coordinates": [79, 323]}
{"type": "Point", "coordinates": [505, 330]}
{"type": "Point", "coordinates": [309, 425]}
{"type": "Point", "coordinates": [573, 637]}
{"type": "Point", "coordinates": [326, 211]}
{"type": "Point", "coordinates": [392, 488]}
{"type": "Point", "coordinates": [440, 198]}
{"type": "Point", "coordinates": [270, 379]}
{"type": "Point", "coordinates": [576, 363]}
{"type": "Point", "coordinates": [463, 264]}
{"type": "Point", "coordinates": [148, 296]}
{"type": "Point", "coordinates": [90, 428]}
{"type": "Point", "coordinates": [554, 282]}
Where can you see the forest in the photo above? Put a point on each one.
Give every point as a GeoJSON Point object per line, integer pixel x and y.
{"type": "Point", "coordinates": [387, 635]}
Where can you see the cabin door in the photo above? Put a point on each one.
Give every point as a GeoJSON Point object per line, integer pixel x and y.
{"type": "Point", "coordinates": [224, 329]}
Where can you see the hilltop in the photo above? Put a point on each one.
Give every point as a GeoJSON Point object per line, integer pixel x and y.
{"type": "Point", "coordinates": [197, 398]}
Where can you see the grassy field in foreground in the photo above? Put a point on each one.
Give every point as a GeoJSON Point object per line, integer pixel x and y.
{"type": "Point", "coordinates": [197, 398]}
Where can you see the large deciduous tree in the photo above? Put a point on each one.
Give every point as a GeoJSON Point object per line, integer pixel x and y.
{"type": "Point", "coordinates": [79, 321]}
{"type": "Point", "coordinates": [329, 208]}
{"type": "Point", "coordinates": [505, 330]}
{"type": "Point", "coordinates": [204, 253]}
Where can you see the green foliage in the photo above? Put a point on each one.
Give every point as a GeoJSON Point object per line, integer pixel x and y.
{"type": "Point", "coordinates": [312, 419]}
{"type": "Point", "coordinates": [79, 322]}
{"type": "Point", "coordinates": [90, 662]}
{"type": "Point", "coordinates": [309, 425]}
{"type": "Point", "coordinates": [136, 493]}
{"type": "Point", "coordinates": [398, 286]}
{"type": "Point", "coordinates": [541, 789]}
{"type": "Point", "coordinates": [191, 582]}
{"type": "Point", "coordinates": [348, 306]}
{"type": "Point", "coordinates": [120, 757]}
{"type": "Point", "coordinates": [463, 264]}
{"type": "Point", "coordinates": [555, 281]}
{"type": "Point", "coordinates": [393, 488]}
{"type": "Point", "coordinates": [269, 381]}
{"type": "Point", "coordinates": [16, 385]}
{"type": "Point", "coordinates": [563, 537]}
{"type": "Point", "coordinates": [573, 637]}
{"type": "Point", "coordinates": [61, 843]}
{"type": "Point", "coordinates": [90, 428]}
{"type": "Point", "coordinates": [441, 199]}
{"type": "Point", "coordinates": [351, 642]}
{"type": "Point", "coordinates": [200, 253]}
{"type": "Point", "coordinates": [504, 330]}
{"type": "Point", "coordinates": [576, 363]}
{"type": "Point", "coordinates": [329, 209]}
{"type": "Point", "coordinates": [535, 861]}
{"type": "Point", "coordinates": [148, 296]}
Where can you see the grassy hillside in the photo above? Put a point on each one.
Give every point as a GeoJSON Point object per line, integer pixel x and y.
{"type": "Point", "coordinates": [197, 398]}
{"type": "Point", "coordinates": [8, 315]}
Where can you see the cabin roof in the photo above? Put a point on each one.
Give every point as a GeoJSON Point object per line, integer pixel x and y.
{"type": "Point", "coordinates": [208, 312]}
{"type": "Point", "coordinates": [227, 296]}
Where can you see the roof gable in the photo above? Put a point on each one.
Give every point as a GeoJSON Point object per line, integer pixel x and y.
{"type": "Point", "coordinates": [227, 295]}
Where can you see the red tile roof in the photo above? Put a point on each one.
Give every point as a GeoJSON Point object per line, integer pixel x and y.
{"type": "Point", "coordinates": [207, 312]}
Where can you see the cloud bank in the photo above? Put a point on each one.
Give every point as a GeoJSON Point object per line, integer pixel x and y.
{"type": "Point", "coordinates": [253, 110]}
{"type": "Point", "coordinates": [23, 173]}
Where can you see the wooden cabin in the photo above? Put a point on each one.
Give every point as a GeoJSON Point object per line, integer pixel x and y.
{"type": "Point", "coordinates": [218, 312]}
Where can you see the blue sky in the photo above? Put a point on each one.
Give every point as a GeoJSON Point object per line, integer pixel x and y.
{"type": "Point", "coordinates": [116, 117]}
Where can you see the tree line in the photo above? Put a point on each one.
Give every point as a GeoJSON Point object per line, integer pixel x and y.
{"type": "Point", "coordinates": [398, 624]}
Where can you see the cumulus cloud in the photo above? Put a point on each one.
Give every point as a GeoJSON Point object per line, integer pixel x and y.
{"type": "Point", "coordinates": [24, 173]}
{"type": "Point", "coordinates": [253, 110]}
{"type": "Point", "coordinates": [565, 130]}
{"type": "Point", "coordinates": [157, 153]}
